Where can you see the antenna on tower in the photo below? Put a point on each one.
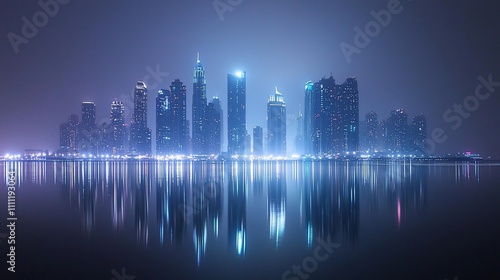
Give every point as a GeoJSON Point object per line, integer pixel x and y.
{"type": "Point", "coordinates": [198, 58]}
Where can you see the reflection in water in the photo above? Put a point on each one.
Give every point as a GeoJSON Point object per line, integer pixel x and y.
{"type": "Point", "coordinates": [330, 201]}
{"type": "Point", "coordinates": [276, 200]}
{"type": "Point", "coordinates": [237, 204]}
{"type": "Point", "coordinates": [177, 203]}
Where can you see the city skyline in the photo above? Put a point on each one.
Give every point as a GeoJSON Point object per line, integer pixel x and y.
{"type": "Point", "coordinates": [423, 61]}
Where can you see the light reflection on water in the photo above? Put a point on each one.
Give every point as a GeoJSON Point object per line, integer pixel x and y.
{"type": "Point", "coordinates": [168, 204]}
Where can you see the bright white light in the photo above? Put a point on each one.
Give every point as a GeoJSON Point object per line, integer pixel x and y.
{"type": "Point", "coordinates": [239, 74]}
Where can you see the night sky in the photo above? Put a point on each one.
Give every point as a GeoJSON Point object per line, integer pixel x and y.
{"type": "Point", "coordinates": [425, 60]}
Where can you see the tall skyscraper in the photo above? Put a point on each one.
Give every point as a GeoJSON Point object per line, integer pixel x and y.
{"type": "Point", "coordinates": [299, 136]}
{"type": "Point", "coordinates": [276, 125]}
{"type": "Point", "coordinates": [331, 123]}
{"type": "Point", "coordinates": [213, 127]}
{"type": "Point", "coordinates": [199, 112]}
{"type": "Point", "coordinates": [371, 131]}
{"type": "Point", "coordinates": [178, 111]}
{"type": "Point", "coordinates": [349, 115]}
{"type": "Point", "coordinates": [236, 113]}
{"type": "Point", "coordinates": [118, 128]}
{"type": "Point", "coordinates": [88, 129]}
{"type": "Point", "coordinates": [140, 134]}
{"type": "Point", "coordinates": [68, 135]}
{"type": "Point", "coordinates": [163, 123]}
{"type": "Point", "coordinates": [418, 134]}
{"type": "Point", "coordinates": [308, 117]}
{"type": "Point", "coordinates": [258, 141]}
{"type": "Point", "coordinates": [397, 132]}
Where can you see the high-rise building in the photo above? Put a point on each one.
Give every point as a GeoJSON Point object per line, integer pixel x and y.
{"type": "Point", "coordinates": [371, 131]}
{"type": "Point", "coordinates": [236, 113]}
{"type": "Point", "coordinates": [276, 125]}
{"type": "Point", "coordinates": [308, 117]}
{"type": "Point", "coordinates": [299, 136]}
{"type": "Point", "coordinates": [104, 142]}
{"type": "Point", "coordinates": [349, 115]}
{"type": "Point", "coordinates": [68, 135]}
{"type": "Point", "coordinates": [178, 111]}
{"type": "Point", "coordinates": [258, 141]}
{"type": "Point", "coordinates": [118, 128]}
{"type": "Point", "coordinates": [163, 123]}
{"type": "Point", "coordinates": [418, 134]}
{"type": "Point", "coordinates": [140, 134]}
{"type": "Point", "coordinates": [199, 112]}
{"type": "Point", "coordinates": [213, 127]}
{"type": "Point", "coordinates": [88, 129]}
{"type": "Point", "coordinates": [397, 132]}
{"type": "Point", "coordinates": [331, 121]}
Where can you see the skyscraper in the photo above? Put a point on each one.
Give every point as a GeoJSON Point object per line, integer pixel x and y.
{"type": "Point", "coordinates": [258, 141]}
{"type": "Point", "coordinates": [308, 117]}
{"type": "Point", "coordinates": [276, 125]}
{"type": "Point", "coordinates": [371, 131]}
{"type": "Point", "coordinates": [118, 128]}
{"type": "Point", "coordinates": [68, 135]}
{"type": "Point", "coordinates": [178, 110]}
{"type": "Point", "coordinates": [213, 132]}
{"type": "Point", "coordinates": [418, 134]}
{"type": "Point", "coordinates": [397, 131]}
{"type": "Point", "coordinates": [349, 112]}
{"type": "Point", "coordinates": [331, 121]}
{"type": "Point", "coordinates": [299, 136]}
{"type": "Point", "coordinates": [140, 134]}
{"type": "Point", "coordinates": [163, 123]}
{"type": "Point", "coordinates": [199, 112]}
{"type": "Point", "coordinates": [236, 113]}
{"type": "Point", "coordinates": [88, 129]}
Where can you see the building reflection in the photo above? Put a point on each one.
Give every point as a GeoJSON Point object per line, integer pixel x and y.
{"type": "Point", "coordinates": [237, 205]}
{"type": "Point", "coordinates": [171, 203]}
{"type": "Point", "coordinates": [276, 200]}
{"type": "Point", "coordinates": [206, 204]}
{"type": "Point", "coordinates": [330, 201]}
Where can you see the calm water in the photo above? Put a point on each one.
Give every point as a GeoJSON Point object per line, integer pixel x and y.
{"type": "Point", "coordinates": [182, 220]}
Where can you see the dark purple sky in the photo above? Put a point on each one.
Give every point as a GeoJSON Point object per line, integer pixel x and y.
{"type": "Point", "coordinates": [427, 59]}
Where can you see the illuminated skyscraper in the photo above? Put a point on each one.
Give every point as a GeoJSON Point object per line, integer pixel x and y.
{"type": "Point", "coordinates": [236, 113]}
{"type": "Point", "coordinates": [179, 126]}
{"type": "Point", "coordinates": [397, 131]}
{"type": "Point", "coordinates": [118, 128]}
{"type": "Point", "coordinates": [199, 112]}
{"type": "Point", "coordinates": [308, 117]}
{"type": "Point", "coordinates": [88, 129]}
{"type": "Point", "coordinates": [348, 107]}
{"type": "Point", "coordinates": [418, 134]}
{"type": "Point", "coordinates": [331, 121]}
{"type": "Point", "coordinates": [299, 136]}
{"type": "Point", "coordinates": [140, 134]}
{"type": "Point", "coordinates": [258, 141]}
{"type": "Point", "coordinates": [213, 133]}
{"type": "Point", "coordinates": [276, 125]}
{"type": "Point", "coordinates": [163, 123]}
{"type": "Point", "coordinates": [371, 131]}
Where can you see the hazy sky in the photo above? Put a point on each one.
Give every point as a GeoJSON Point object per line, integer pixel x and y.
{"type": "Point", "coordinates": [426, 59]}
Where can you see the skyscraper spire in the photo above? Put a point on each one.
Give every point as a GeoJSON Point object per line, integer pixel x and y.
{"type": "Point", "coordinates": [198, 58]}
